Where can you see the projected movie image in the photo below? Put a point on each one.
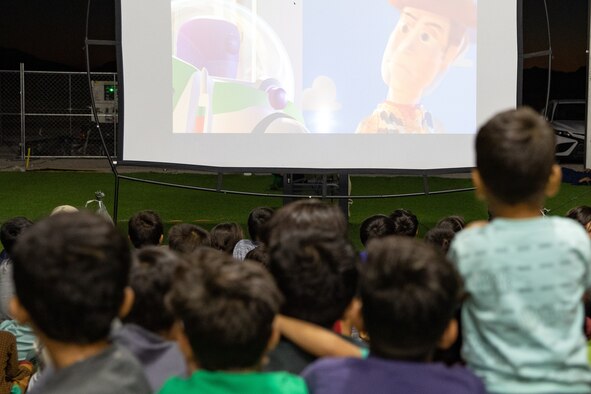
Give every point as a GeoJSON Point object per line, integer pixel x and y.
{"type": "Point", "coordinates": [386, 66]}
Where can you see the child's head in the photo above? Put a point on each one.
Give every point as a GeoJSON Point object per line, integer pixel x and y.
{"type": "Point", "coordinates": [317, 274]}
{"type": "Point", "coordinates": [257, 219]}
{"type": "Point", "coordinates": [305, 214]}
{"type": "Point", "coordinates": [185, 238]}
{"type": "Point", "coordinates": [376, 226]}
{"type": "Point", "coordinates": [11, 230]}
{"type": "Point", "coordinates": [259, 254]}
{"type": "Point", "coordinates": [63, 209]}
{"type": "Point", "coordinates": [145, 229]}
{"type": "Point", "coordinates": [151, 278]}
{"type": "Point", "coordinates": [453, 222]}
{"type": "Point", "coordinates": [409, 294]}
{"type": "Point", "coordinates": [440, 237]}
{"type": "Point", "coordinates": [406, 223]}
{"type": "Point", "coordinates": [581, 214]}
{"type": "Point", "coordinates": [227, 310]}
{"type": "Point", "coordinates": [515, 159]}
{"type": "Point", "coordinates": [70, 277]}
{"type": "Point", "coordinates": [225, 236]}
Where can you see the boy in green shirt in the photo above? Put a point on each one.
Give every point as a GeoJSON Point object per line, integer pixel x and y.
{"type": "Point", "coordinates": [226, 326]}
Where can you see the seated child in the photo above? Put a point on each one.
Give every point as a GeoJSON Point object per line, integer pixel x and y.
{"type": "Point", "coordinates": [145, 229]}
{"type": "Point", "coordinates": [225, 236]}
{"type": "Point", "coordinates": [259, 254]}
{"type": "Point", "coordinates": [453, 222]}
{"type": "Point", "coordinates": [376, 226]}
{"type": "Point", "coordinates": [409, 293]}
{"type": "Point", "coordinates": [257, 218]}
{"type": "Point", "coordinates": [11, 371]}
{"type": "Point", "coordinates": [9, 233]}
{"type": "Point", "coordinates": [406, 223]}
{"type": "Point", "coordinates": [185, 238]}
{"type": "Point", "coordinates": [227, 314]}
{"type": "Point", "coordinates": [525, 274]}
{"type": "Point", "coordinates": [316, 272]}
{"type": "Point", "coordinates": [70, 274]}
{"type": "Point", "coordinates": [147, 332]}
{"type": "Point", "coordinates": [440, 237]}
{"type": "Point", "coordinates": [303, 215]}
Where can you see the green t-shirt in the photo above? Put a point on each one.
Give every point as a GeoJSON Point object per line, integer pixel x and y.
{"type": "Point", "coordinates": [244, 383]}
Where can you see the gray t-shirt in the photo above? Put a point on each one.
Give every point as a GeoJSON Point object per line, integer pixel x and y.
{"type": "Point", "coordinates": [114, 370]}
{"type": "Point", "coordinates": [242, 248]}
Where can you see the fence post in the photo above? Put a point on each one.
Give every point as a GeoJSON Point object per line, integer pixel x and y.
{"type": "Point", "coordinates": [22, 91]}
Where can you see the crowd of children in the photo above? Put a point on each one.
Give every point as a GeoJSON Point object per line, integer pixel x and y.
{"type": "Point", "coordinates": [488, 307]}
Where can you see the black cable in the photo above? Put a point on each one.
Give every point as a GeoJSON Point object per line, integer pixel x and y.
{"type": "Point", "coordinates": [549, 61]}
{"type": "Point", "coordinates": [92, 101]}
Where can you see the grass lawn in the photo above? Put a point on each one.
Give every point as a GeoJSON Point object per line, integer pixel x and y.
{"type": "Point", "coordinates": [34, 194]}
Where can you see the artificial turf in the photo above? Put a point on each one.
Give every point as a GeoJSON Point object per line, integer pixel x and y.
{"type": "Point", "coordinates": [34, 194]}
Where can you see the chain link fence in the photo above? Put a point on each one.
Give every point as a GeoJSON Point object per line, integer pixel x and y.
{"type": "Point", "coordinates": [48, 114]}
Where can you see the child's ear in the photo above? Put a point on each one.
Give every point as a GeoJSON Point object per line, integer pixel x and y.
{"type": "Point", "coordinates": [553, 185]}
{"type": "Point", "coordinates": [353, 314]}
{"type": "Point", "coordinates": [449, 335]}
{"type": "Point", "coordinates": [479, 185]}
{"type": "Point", "coordinates": [127, 304]}
{"type": "Point", "coordinates": [18, 311]}
{"type": "Point", "coordinates": [161, 239]}
{"type": "Point", "coordinates": [177, 333]}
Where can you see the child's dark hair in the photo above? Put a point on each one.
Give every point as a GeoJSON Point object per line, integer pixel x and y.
{"type": "Point", "coordinates": [225, 236]}
{"type": "Point", "coordinates": [259, 254]}
{"type": "Point", "coordinates": [185, 238]}
{"type": "Point", "coordinates": [151, 278]}
{"type": "Point", "coordinates": [409, 293]}
{"type": "Point", "coordinates": [317, 274]}
{"type": "Point", "coordinates": [257, 219]}
{"type": "Point", "coordinates": [515, 155]}
{"type": "Point", "coordinates": [11, 230]}
{"type": "Point", "coordinates": [305, 214]}
{"type": "Point", "coordinates": [145, 229]}
{"type": "Point", "coordinates": [440, 237]}
{"type": "Point", "coordinates": [406, 223]}
{"type": "Point", "coordinates": [581, 214]}
{"type": "Point", "coordinates": [227, 310]}
{"type": "Point", "coordinates": [376, 226]}
{"type": "Point", "coordinates": [70, 274]}
{"type": "Point", "coordinates": [453, 222]}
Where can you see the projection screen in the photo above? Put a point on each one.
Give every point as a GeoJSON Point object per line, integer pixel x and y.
{"type": "Point", "coordinates": [313, 84]}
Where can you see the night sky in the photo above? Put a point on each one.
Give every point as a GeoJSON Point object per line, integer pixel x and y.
{"type": "Point", "coordinates": [49, 34]}
{"type": "Point", "coordinates": [53, 32]}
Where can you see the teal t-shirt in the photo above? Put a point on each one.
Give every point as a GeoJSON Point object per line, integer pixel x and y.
{"type": "Point", "coordinates": [522, 321]}
{"type": "Point", "coordinates": [25, 339]}
{"type": "Point", "coordinates": [219, 382]}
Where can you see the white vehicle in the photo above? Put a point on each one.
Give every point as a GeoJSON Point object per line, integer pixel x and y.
{"type": "Point", "coordinates": [567, 118]}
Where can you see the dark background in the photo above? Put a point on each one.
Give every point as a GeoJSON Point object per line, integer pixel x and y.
{"type": "Point", "coordinates": [49, 36]}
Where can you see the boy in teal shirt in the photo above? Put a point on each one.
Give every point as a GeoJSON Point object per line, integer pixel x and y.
{"type": "Point", "coordinates": [226, 314]}
{"type": "Point", "coordinates": [525, 274]}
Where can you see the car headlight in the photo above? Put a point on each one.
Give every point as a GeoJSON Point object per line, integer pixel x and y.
{"type": "Point", "coordinates": [563, 133]}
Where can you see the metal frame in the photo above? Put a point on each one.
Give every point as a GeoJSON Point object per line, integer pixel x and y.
{"type": "Point", "coordinates": [220, 171]}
